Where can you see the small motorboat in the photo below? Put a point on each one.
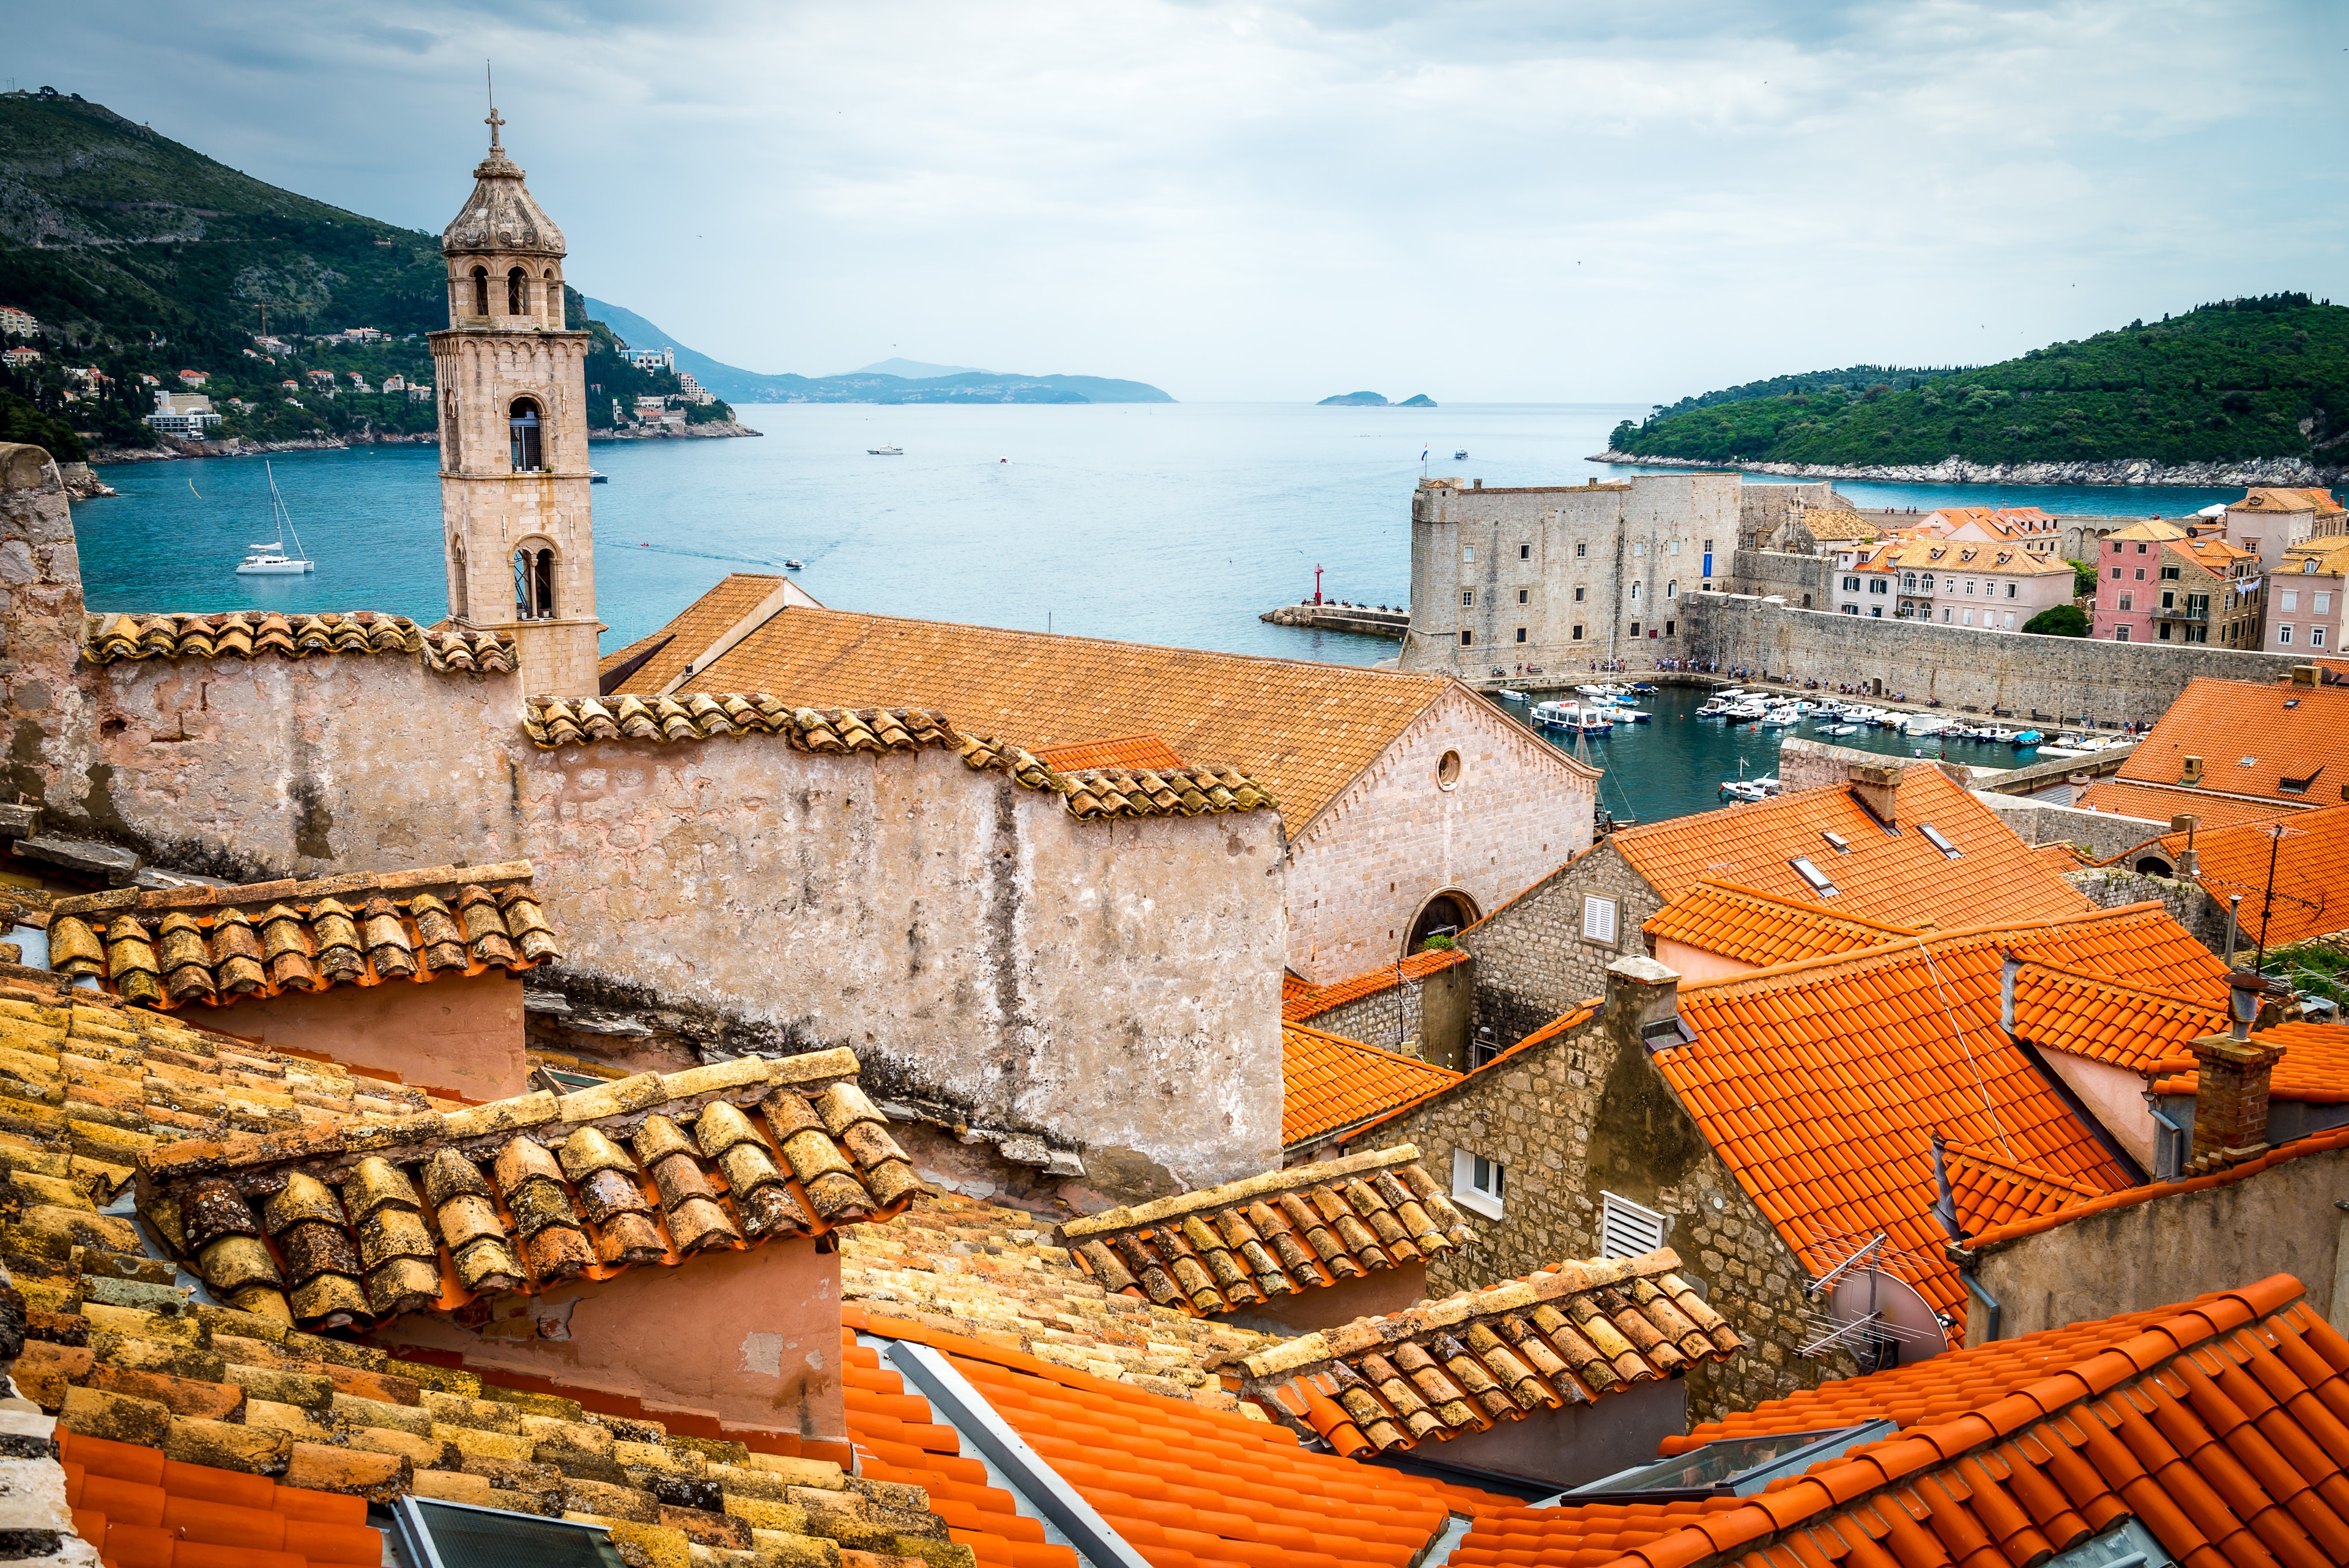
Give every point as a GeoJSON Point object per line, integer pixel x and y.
{"type": "Point", "coordinates": [1742, 789]}
{"type": "Point", "coordinates": [1573, 718]}
{"type": "Point", "coordinates": [1840, 729]}
{"type": "Point", "coordinates": [1460, 456]}
{"type": "Point", "coordinates": [2028, 739]}
{"type": "Point", "coordinates": [790, 564]}
{"type": "Point", "coordinates": [269, 559]}
{"type": "Point", "coordinates": [1644, 688]}
{"type": "Point", "coordinates": [1995, 732]}
{"type": "Point", "coordinates": [1505, 695]}
{"type": "Point", "coordinates": [892, 452]}
{"type": "Point", "coordinates": [596, 478]}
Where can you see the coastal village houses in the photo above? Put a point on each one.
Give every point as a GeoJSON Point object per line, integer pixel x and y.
{"type": "Point", "coordinates": [2268, 522]}
{"type": "Point", "coordinates": [2161, 582]}
{"type": "Point", "coordinates": [1956, 582]}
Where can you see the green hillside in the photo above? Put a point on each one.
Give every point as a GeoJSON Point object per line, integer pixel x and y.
{"type": "Point", "coordinates": [143, 257]}
{"type": "Point", "coordinates": [2235, 381]}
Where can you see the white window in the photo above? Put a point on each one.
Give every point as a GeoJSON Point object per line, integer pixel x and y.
{"type": "Point", "coordinates": [2316, 636]}
{"type": "Point", "coordinates": [2010, 620]}
{"type": "Point", "coordinates": [1478, 1184]}
{"type": "Point", "coordinates": [1467, 597]}
{"type": "Point", "coordinates": [1626, 1230]}
{"type": "Point", "coordinates": [1467, 552]}
{"type": "Point", "coordinates": [1970, 585]}
{"type": "Point", "coordinates": [1676, 547]}
{"type": "Point", "coordinates": [1635, 592]}
{"type": "Point", "coordinates": [1638, 548]}
{"type": "Point", "coordinates": [1581, 549]}
{"type": "Point", "coordinates": [1851, 585]}
{"type": "Point", "coordinates": [1598, 919]}
{"type": "Point", "coordinates": [2284, 634]}
{"type": "Point", "coordinates": [1945, 614]}
{"type": "Point", "coordinates": [1969, 617]}
{"type": "Point", "coordinates": [2010, 589]}
{"type": "Point", "coordinates": [2323, 602]}
{"type": "Point", "coordinates": [1672, 590]}
{"type": "Point", "coordinates": [2292, 598]}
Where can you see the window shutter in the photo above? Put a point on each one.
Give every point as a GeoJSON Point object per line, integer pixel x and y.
{"type": "Point", "coordinates": [1597, 918]}
{"type": "Point", "coordinates": [1626, 1230]}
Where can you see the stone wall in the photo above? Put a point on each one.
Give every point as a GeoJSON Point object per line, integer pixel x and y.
{"type": "Point", "coordinates": [2174, 1247]}
{"type": "Point", "coordinates": [1804, 581]}
{"type": "Point", "coordinates": [1533, 961]}
{"type": "Point", "coordinates": [1425, 1018]}
{"type": "Point", "coordinates": [2101, 834]}
{"type": "Point", "coordinates": [2116, 887]}
{"type": "Point", "coordinates": [1582, 1115]}
{"type": "Point", "coordinates": [2027, 674]}
{"type": "Point", "coordinates": [1370, 861]}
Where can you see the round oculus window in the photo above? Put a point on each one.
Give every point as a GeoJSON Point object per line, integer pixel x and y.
{"type": "Point", "coordinates": [1447, 772]}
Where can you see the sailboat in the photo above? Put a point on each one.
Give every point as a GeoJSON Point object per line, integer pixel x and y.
{"type": "Point", "coordinates": [269, 559]}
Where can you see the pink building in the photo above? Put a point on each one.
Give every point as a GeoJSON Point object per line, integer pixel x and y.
{"type": "Point", "coordinates": [2128, 579]}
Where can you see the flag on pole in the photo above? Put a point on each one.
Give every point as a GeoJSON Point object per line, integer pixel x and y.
{"type": "Point", "coordinates": [1422, 453]}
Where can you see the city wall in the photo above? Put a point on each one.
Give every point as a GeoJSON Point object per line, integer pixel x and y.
{"type": "Point", "coordinates": [1963, 667]}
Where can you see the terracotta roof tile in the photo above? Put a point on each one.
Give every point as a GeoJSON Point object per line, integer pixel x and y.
{"type": "Point", "coordinates": [1223, 1249]}
{"type": "Point", "coordinates": [2307, 896]}
{"type": "Point", "coordinates": [1565, 1023]}
{"type": "Point", "coordinates": [109, 639]}
{"type": "Point", "coordinates": [219, 945]}
{"type": "Point", "coordinates": [2252, 737]}
{"type": "Point", "coordinates": [1757, 928]}
{"type": "Point", "coordinates": [2158, 803]}
{"type": "Point", "coordinates": [1309, 1000]}
{"type": "Point", "coordinates": [2267, 499]}
{"type": "Point", "coordinates": [2140, 946]}
{"type": "Point", "coordinates": [1126, 751]}
{"type": "Point", "coordinates": [1989, 1190]}
{"type": "Point", "coordinates": [1892, 877]}
{"type": "Point", "coordinates": [666, 652]}
{"type": "Point", "coordinates": [1303, 730]}
{"type": "Point", "coordinates": [326, 1226]}
{"type": "Point", "coordinates": [1331, 1083]}
{"type": "Point", "coordinates": [2314, 1065]}
{"type": "Point", "coordinates": [2325, 1142]}
{"type": "Point", "coordinates": [2212, 1426]}
{"type": "Point", "coordinates": [1187, 1486]}
{"type": "Point", "coordinates": [2086, 1015]}
{"type": "Point", "coordinates": [1562, 1337]}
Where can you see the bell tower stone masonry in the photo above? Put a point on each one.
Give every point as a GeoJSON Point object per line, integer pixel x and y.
{"type": "Point", "coordinates": [514, 508]}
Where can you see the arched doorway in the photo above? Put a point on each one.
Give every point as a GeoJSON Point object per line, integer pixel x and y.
{"type": "Point", "coordinates": [2154, 866]}
{"type": "Point", "coordinates": [1447, 914]}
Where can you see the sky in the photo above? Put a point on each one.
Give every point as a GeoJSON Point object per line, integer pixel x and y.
{"type": "Point", "coordinates": [1500, 201]}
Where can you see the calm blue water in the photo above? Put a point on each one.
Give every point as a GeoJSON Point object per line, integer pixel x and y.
{"type": "Point", "coordinates": [1173, 523]}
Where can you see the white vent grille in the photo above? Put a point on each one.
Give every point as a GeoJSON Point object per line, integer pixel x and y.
{"type": "Point", "coordinates": [1626, 1230]}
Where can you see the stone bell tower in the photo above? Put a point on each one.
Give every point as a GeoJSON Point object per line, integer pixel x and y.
{"type": "Point", "coordinates": [514, 434]}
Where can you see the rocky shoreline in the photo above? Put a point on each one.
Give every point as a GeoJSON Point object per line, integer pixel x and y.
{"type": "Point", "coordinates": [2281, 471]}
{"type": "Point", "coordinates": [173, 446]}
{"type": "Point", "coordinates": [675, 432]}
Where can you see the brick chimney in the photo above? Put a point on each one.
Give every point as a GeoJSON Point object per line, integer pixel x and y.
{"type": "Point", "coordinates": [1876, 784]}
{"type": "Point", "coordinates": [2230, 1084]}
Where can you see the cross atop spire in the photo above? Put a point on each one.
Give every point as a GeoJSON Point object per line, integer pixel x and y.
{"type": "Point", "coordinates": [495, 119]}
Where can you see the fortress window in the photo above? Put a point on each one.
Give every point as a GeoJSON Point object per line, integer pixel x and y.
{"type": "Point", "coordinates": [1521, 634]}
{"type": "Point", "coordinates": [1578, 633]}
{"type": "Point", "coordinates": [1581, 549]}
{"type": "Point", "coordinates": [522, 424]}
{"type": "Point", "coordinates": [1524, 553]}
{"type": "Point", "coordinates": [1522, 596]}
{"type": "Point", "coordinates": [461, 595]}
{"type": "Point", "coordinates": [1467, 598]}
{"type": "Point", "coordinates": [553, 297]}
{"type": "Point", "coordinates": [1467, 638]}
{"type": "Point", "coordinates": [481, 291]}
{"type": "Point", "coordinates": [517, 293]}
{"type": "Point", "coordinates": [1578, 593]}
{"type": "Point", "coordinates": [533, 581]}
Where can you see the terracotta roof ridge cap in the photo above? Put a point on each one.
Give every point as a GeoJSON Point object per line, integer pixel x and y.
{"type": "Point", "coordinates": [2040, 1173]}
{"type": "Point", "coordinates": [1229, 1192]}
{"type": "Point", "coordinates": [2106, 983]}
{"type": "Point", "coordinates": [288, 889]}
{"type": "Point", "coordinates": [2325, 1142]}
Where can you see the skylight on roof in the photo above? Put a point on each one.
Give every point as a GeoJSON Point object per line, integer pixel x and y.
{"type": "Point", "coordinates": [1819, 880]}
{"type": "Point", "coordinates": [431, 1534]}
{"type": "Point", "coordinates": [1940, 840]}
{"type": "Point", "coordinates": [1840, 844]}
{"type": "Point", "coordinates": [1732, 1467]}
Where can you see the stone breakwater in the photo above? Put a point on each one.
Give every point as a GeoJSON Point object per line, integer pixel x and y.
{"type": "Point", "coordinates": [1956, 470]}
{"type": "Point", "coordinates": [1359, 618]}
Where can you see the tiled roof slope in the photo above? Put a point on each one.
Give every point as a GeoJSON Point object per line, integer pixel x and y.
{"type": "Point", "coordinates": [2158, 803]}
{"type": "Point", "coordinates": [2086, 1015]}
{"type": "Point", "coordinates": [2138, 945]}
{"type": "Point", "coordinates": [1310, 1001]}
{"type": "Point", "coordinates": [109, 639]}
{"type": "Point", "coordinates": [1759, 929]}
{"type": "Point", "coordinates": [1899, 878]}
{"type": "Point", "coordinates": [334, 1224]}
{"type": "Point", "coordinates": [1987, 1190]}
{"type": "Point", "coordinates": [1464, 1364]}
{"type": "Point", "coordinates": [1221, 1249]}
{"type": "Point", "coordinates": [2309, 897]}
{"type": "Point", "coordinates": [1106, 792]}
{"type": "Point", "coordinates": [2250, 737]}
{"type": "Point", "coordinates": [1820, 1085]}
{"type": "Point", "coordinates": [967, 1267]}
{"type": "Point", "coordinates": [1303, 729]}
{"type": "Point", "coordinates": [694, 629]}
{"type": "Point", "coordinates": [1834, 524]}
{"type": "Point", "coordinates": [221, 1514]}
{"type": "Point", "coordinates": [217, 945]}
{"type": "Point", "coordinates": [1125, 751]}
{"type": "Point", "coordinates": [1333, 1083]}
{"type": "Point", "coordinates": [2274, 499]}
{"type": "Point", "coordinates": [1191, 1488]}
{"type": "Point", "coordinates": [2314, 1065]}
{"type": "Point", "coordinates": [2219, 1429]}
{"type": "Point", "coordinates": [2331, 1141]}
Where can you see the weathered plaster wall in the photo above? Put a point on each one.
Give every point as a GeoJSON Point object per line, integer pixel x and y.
{"type": "Point", "coordinates": [1959, 665]}
{"type": "Point", "coordinates": [2173, 1248]}
{"type": "Point", "coordinates": [751, 1339]}
{"type": "Point", "coordinates": [461, 1035]}
{"type": "Point", "coordinates": [2115, 1097]}
{"type": "Point", "coordinates": [1365, 865]}
{"type": "Point", "coordinates": [1533, 961]}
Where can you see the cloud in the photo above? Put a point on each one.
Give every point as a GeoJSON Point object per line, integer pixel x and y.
{"type": "Point", "coordinates": [1489, 201]}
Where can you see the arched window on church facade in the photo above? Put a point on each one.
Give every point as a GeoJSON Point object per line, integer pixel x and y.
{"type": "Point", "coordinates": [533, 581]}
{"type": "Point", "coordinates": [517, 293]}
{"type": "Point", "coordinates": [481, 291]}
{"type": "Point", "coordinates": [522, 422]}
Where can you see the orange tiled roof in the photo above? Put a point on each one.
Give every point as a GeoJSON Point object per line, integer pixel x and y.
{"type": "Point", "coordinates": [1987, 1190]}
{"type": "Point", "coordinates": [1463, 1363]}
{"type": "Point", "coordinates": [1332, 1082]}
{"type": "Point", "coordinates": [2214, 555]}
{"type": "Point", "coordinates": [1183, 1485]}
{"type": "Point", "coordinates": [1305, 731]}
{"type": "Point", "coordinates": [446, 649]}
{"type": "Point", "coordinates": [526, 1193]}
{"type": "Point", "coordinates": [1755, 928]}
{"type": "Point", "coordinates": [2267, 499]}
{"type": "Point", "coordinates": [2252, 737]}
{"type": "Point", "coordinates": [1312, 1000]}
{"type": "Point", "coordinates": [666, 652]}
{"type": "Point", "coordinates": [133, 1505]}
{"type": "Point", "coordinates": [2063, 856]}
{"type": "Point", "coordinates": [2138, 945]}
{"type": "Point", "coordinates": [2150, 531]}
{"type": "Point", "coordinates": [1245, 1243]}
{"type": "Point", "coordinates": [2216, 1428]}
{"type": "Point", "coordinates": [2158, 803]}
{"type": "Point", "coordinates": [221, 945]}
{"type": "Point", "coordinates": [2086, 1015]}
{"type": "Point", "coordinates": [1899, 878]}
{"type": "Point", "coordinates": [2314, 1065]}
{"type": "Point", "coordinates": [2291, 888]}
{"type": "Point", "coordinates": [2325, 1142]}
{"type": "Point", "coordinates": [1821, 1085]}
{"type": "Point", "coordinates": [1144, 751]}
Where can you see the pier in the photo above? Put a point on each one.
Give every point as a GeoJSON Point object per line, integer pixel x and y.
{"type": "Point", "coordinates": [1331, 616]}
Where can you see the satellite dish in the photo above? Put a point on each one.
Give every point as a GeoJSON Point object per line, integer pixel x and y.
{"type": "Point", "coordinates": [1904, 1328]}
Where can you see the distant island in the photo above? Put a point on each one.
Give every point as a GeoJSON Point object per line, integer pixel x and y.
{"type": "Point", "coordinates": [899, 383]}
{"type": "Point", "coordinates": [2237, 392]}
{"type": "Point", "coordinates": [1372, 401]}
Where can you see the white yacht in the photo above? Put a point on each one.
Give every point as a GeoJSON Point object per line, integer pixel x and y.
{"type": "Point", "coordinates": [884, 451]}
{"type": "Point", "coordinates": [269, 559]}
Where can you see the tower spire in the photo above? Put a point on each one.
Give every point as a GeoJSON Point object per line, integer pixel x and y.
{"type": "Point", "coordinates": [495, 119]}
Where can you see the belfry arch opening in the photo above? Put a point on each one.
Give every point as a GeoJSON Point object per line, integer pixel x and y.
{"type": "Point", "coordinates": [517, 293]}
{"type": "Point", "coordinates": [461, 589]}
{"type": "Point", "coordinates": [534, 582]}
{"type": "Point", "coordinates": [553, 297]}
{"type": "Point", "coordinates": [481, 291]}
{"type": "Point", "coordinates": [1446, 914]}
{"type": "Point", "coordinates": [527, 437]}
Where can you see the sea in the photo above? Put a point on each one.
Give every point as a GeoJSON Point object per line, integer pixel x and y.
{"type": "Point", "coordinates": [1160, 522]}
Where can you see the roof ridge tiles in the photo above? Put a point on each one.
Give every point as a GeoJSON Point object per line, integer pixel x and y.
{"type": "Point", "coordinates": [1230, 1192]}
{"type": "Point", "coordinates": [206, 895]}
{"type": "Point", "coordinates": [2326, 1141]}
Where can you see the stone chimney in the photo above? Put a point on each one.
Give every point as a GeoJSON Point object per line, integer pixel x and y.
{"type": "Point", "coordinates": [2230, 1084]}
{"type": "Point", "coordinates": [2188, 863]}
{"type": "Point", "coordinates": [1643, 1003]}
{"type": "Point", "coordinates": [1876, 784]}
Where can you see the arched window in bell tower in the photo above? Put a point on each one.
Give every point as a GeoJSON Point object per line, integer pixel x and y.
{"type": "Point", "coordinates": [460, 586]}
{"type": "Point", "coordinates": [517, 293]}
{"type": "Point", "coordinates": [554, 298]}
{"type": "Point", "coordinates": [534, 583]}
{"type": "Point", "coordinates": [523, 421]}
{"type": "Point", "coordinates": [481, 291]}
